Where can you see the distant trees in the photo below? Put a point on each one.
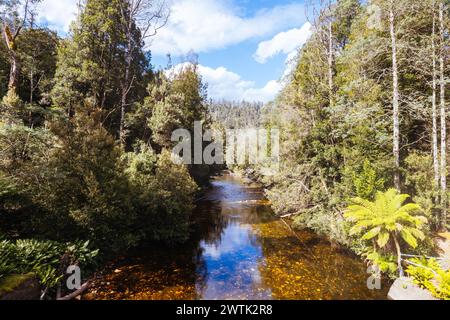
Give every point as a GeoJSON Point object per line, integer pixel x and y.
{"type": "Point", "coordinates": [236, 115]}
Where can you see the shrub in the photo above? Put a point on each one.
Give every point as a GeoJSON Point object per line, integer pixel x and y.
{"type": "Point", "coordinates": [366, 182]}
{"type": "Point", "coordinates": [428, 274]}
{"type": "Point", "coordinates": [83, 190]}
{"type": "Point", "coordinates": [163, 195]}
{"type": "Point", "coordinates": [44, 258]}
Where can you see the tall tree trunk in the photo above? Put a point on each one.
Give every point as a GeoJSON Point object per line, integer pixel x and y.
{"type": "Point", "coordinates": [399, 256]}
{"type": "Point", "coordinates": [443, 119]}
{"type": "Point", "coordinates": [437, 174]}
{"type": "Point", "coordinates": [123, 105]}
{"type": "Point", "coordinates": [14, 69]}
{"type": "Point", "coordinates": [395, 98]}
{"type": "Point", "coordinates": [126, 84]}
{"type": "Point", "coordinates": [330, 62]}
{"type": "Point", "coordinates": [14, 72]}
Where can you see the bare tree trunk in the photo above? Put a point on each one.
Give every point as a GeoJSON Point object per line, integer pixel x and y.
{"type": "Point", "coordinates": [437, 174]}
{"type": "Point", "coordinates": [126, 85]}
{"type": "Point", "coordinates": [125, 88]}
{"type": "Point", "coordinates": [399, 256]}
{"type": "Point", "coordinates": [14, 69]}
{"type": "Point", "coordinates": [14, 73]}
{"type": "Point", "coordinates": [123, 105]}
{"type": "Point", "coordinates": [395, 98]}
{"type": "Point", "coordinates": [443, 120]}
{"type": "Point", "coordinates": [330, 62]}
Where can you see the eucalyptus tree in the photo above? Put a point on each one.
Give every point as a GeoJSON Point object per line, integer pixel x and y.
{"type": "Point", "coordinates": [93, 60]}
{"type": "Point", "coordinates": [15, 16]}
{"type": "Point", "coordinates": [443, 47]}
{"type": "Point", "coordinates": [141, 20]}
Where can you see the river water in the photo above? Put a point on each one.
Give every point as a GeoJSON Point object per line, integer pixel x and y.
{"type": "Point", "coordinates": [238, 250]}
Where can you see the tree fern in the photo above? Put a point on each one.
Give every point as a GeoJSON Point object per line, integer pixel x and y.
{"type": "Point", "coordinates": [386, 220]}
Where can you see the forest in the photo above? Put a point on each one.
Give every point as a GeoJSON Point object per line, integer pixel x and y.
{"type": "Point", "coordinates": [86, 170]}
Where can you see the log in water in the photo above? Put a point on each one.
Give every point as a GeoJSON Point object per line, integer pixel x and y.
{"type": "Point", "coordinates": [238, 250]}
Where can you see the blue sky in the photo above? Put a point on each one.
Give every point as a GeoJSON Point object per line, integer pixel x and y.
{"type": "Point", "coordinates": [243, 45]}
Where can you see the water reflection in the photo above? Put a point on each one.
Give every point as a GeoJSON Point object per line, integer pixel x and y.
{"type": "Point", "coordinates": [238, 250]}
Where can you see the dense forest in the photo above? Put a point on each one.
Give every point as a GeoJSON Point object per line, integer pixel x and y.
{"type": "Point", "coordinates": [85, 136]}
{"type": "Point", "coordinates": [365, 111]}
{"type": "Point", "coordinates": [86, 168]}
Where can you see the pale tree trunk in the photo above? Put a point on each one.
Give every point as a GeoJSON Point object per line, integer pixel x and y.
{"type": "Point", "coordinates": [437, 175]}
{"type": "Point", "coordinates": [13, 59]}
{"type": "Point", "coordinates": [395, 98]}
{"type": "Point", "coordinates": [14, 73]}
{"type": "Point", "coordinates": [126, 84]}
{"type": "Point", "coordinates": [443, 119]}
{"type": "Point", "coordinates": [399, 256]}
{"type": "Point", "coordinates": [124, 103]}
{"type": "Point", "coordinates": [330, 62]}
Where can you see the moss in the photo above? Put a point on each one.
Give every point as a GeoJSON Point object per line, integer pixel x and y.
{"type": "Point", "coordinates": [12, 282]}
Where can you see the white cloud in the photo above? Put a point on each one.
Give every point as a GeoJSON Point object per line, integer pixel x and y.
{"type": "Point", "coordinates": [285, 42]}
{"type": "Point", "coordinates": [57, 14]}
{"type": "Point", "coordinates": [225, 84]}
{"type": "Point", "coordinates": [195, 25]}
{"type": "Point", "coordinates": [206, 25]}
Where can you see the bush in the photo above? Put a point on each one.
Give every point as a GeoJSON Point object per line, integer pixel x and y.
{"type": "Point", "coordinates": [44, 259]}
{"type": "Point", "coordinates": [163, 195]}
{"type": "Point", "coordinates": [420, 182]}
{"type": "Point", "coordinates": [83, 191]}
{"type": "Point", "coordinates": [428, 274]}
{"type": "Point", "coordinates": [76, 183]}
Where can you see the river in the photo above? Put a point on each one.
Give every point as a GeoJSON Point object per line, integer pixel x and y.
{"type": "Point", "coordinates": [238, 250]}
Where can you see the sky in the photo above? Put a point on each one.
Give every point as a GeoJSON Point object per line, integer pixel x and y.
{"type": "Point", "coordinates": [243, 46]}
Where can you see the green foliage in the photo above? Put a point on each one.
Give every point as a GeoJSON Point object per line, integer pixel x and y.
{"type": "Point", "coordinates": [386, 220]}
{"type": "Point", "coordinates": [339, 146]}
{"type": "Point", "coordinates": [175, 103]}
{"type": "Point", "coordinates": [385, 261]}
{"type": "Point", "coordinates": [43, 258]}
{"type": "Point", "coordinates": [420, 181]}
{"type": "Point", "coordinates": [83, 190]}
{"type": "Point", "coordinates": [386, 217]}
{"type": "Point", "coordinates": [367, 183]}
{"type": "Point", "coordinates": [423, 271]}
{"type": "Point", "coordinates": [11, 107]}
{"type": "Point", "coordinates": [428, 274]}
{"type": "Point", "coordinates": [92, 61]}
{"type": "Point", "coordinates": [163, 195]}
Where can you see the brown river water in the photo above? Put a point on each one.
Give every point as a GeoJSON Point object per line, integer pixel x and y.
{"type": "Point", "coordinates": [238, 250]}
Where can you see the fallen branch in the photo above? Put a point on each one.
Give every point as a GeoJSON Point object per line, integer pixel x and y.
{"type": "Point", "coordinates": [289, 215]}
{"type": "Point", "coordinates": [75, 294]}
